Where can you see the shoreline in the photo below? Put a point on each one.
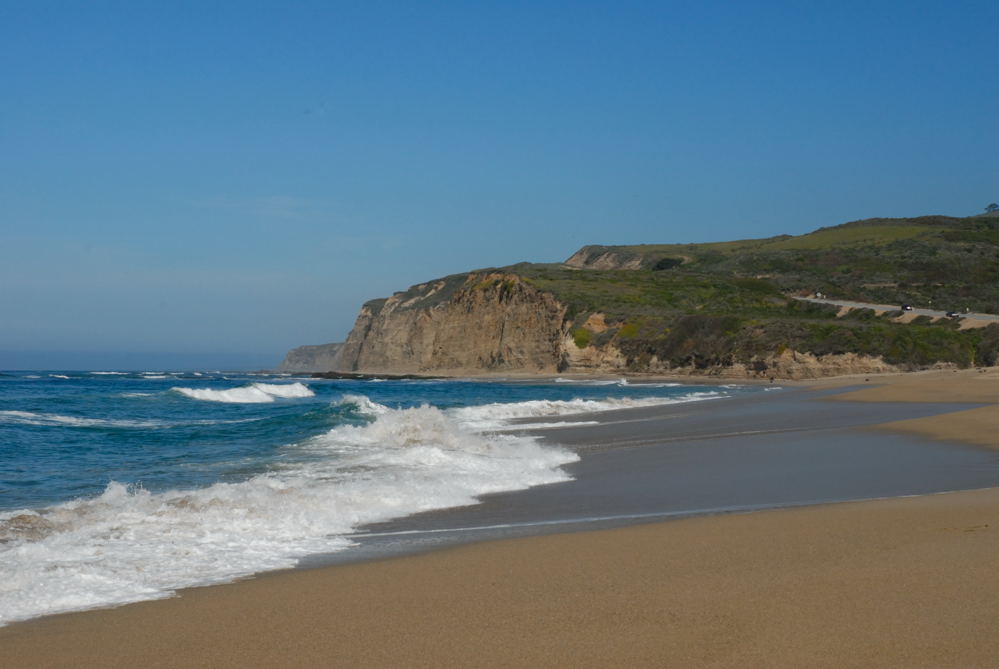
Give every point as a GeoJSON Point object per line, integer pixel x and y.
{"type": "Point", "coordinates": [901, 582]}
{"type": "Point", "coordinates": [685, 376]}
{"type": "Point", "coordinates": [156, 630]}
{"type": "Point", "coordinates": [690, 460]}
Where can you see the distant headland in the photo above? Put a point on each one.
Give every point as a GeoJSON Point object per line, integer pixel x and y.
{"type": "Point", "coordinates": [869, 296]}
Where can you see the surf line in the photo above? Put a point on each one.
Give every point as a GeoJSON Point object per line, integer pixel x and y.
{"type": "Point", "coordinates": [688, 513]}
{"type": "Point", "coordinates": [719, 510]}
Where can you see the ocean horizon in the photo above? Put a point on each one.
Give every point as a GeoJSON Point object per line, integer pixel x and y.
{"type": "Point", "coordinates": [86, 361]}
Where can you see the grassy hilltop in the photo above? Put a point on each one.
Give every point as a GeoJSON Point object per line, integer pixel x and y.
{"type": "Point", "coordinates": [707, 305]}
{"type": "Point", "coordinates": [952, 263]}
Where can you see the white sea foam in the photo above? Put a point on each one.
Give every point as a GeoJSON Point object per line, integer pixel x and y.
{"type": "Point", "coordinates": [51, 419]}
{"type": "Point", "coordinates": [110, 373]}
{"type": "Point", "coordinates": [549, 426]}
{"type": "Point", "coordinates": [56, 420]}
{"type": "Point", "coordinates": [593, 382]}
{"type": "Point", "coordinates": [619, 382]}
{"type": "Point", "coordinates": [364, 404]}
{"type": "Point", "coordinates": [129, 544]}
{"type": "Point", "coordinates": [285, 389]}
{"type": "Point", "coordinates": [58, 376]}
{"type": "Point", "coordinates": [253, 393]}
{"type": "Point", "coordinates": [492, 416]}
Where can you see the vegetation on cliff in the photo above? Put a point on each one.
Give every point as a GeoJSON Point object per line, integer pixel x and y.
{"type": "Point", "coordinates": [706, 320]}
{"type": "Point", "coordinates": [952, 263]}
{"type": "Point", "coordinates": [702, 307]}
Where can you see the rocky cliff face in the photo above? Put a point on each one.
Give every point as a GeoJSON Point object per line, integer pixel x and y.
{"type": "Point", "coordinates": [321, 358]}
{"type": "Point", "coordinates": [463, 324]}
{"type": "Point", "coordinates": [496, 322]}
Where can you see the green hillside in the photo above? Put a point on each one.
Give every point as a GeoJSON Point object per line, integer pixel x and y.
{"type": "Point", "coordinates": [949, 263]}
{"type": "Point", "coordinates": [714, 304]}
{"type": "Point", "coordinates": [709, 320]}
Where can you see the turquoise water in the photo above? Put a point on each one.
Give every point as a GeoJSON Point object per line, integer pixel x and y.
{"type": "Point", "coordinates": [116, 487]}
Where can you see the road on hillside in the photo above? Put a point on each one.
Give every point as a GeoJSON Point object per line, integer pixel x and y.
{"type": "Point", "coordinates": [897, 307]}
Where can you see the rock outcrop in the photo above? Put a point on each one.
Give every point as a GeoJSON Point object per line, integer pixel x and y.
{"type": "Point", "coordinates": [602, 257]}
{"type": "Point", "coordinates": [474, 323]}
{"type": "Point", "coordinates": [319, 358]}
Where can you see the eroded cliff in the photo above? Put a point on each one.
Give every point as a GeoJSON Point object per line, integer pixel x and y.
{"type": "Point", "coordinates": [501, 322]}
{"type": "Point", "coordinates": [462, 324]}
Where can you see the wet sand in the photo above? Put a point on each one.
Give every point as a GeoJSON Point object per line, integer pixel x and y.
{"type": "Point", "coordinates": [975, 426]}
{"type": "Point", "coordinates": [760, 451]}
{"type": "Point", "coordinates": [911, 581]}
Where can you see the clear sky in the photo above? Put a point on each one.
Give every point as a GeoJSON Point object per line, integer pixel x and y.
{"type": "Point", "coordinates": [200, 178]}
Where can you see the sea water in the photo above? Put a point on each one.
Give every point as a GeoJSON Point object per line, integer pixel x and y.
{"type": "Point", "coordinates": [123, 486]}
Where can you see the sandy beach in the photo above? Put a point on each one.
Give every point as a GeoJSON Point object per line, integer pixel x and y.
{"type": "Point", "coordinates": [910, 581]}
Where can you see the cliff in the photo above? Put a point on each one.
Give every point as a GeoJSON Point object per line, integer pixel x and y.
{"type": "Point", "coordinates": [319, 358]}
{"type": "Point", "coordinates": [504, 322]}
{"type": "Point", "coordinates": [487, 321]}
{"type": "Point", "coordinates": [724, 309]}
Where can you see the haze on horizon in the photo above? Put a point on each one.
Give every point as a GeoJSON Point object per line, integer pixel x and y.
{"type": "Point", "coordinates": [186, 184]}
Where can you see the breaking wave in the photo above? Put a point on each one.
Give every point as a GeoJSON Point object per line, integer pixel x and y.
{"type": "Point", "coordinates": [496, 415]}
{"type": "Point", "coordinates": [130, 544]}
{"type": "Point", "coordinates": [254, 393]}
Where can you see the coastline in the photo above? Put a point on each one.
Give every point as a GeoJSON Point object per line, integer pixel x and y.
{"type": "Point", "coordinates": [879, 583]}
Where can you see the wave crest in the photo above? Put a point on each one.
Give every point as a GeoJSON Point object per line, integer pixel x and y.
{"type": "Point", "coordinates": [51, 419]}
{"type": "Point", "coordinates": [496, 415]}
{"type": "Point", "coordinates": [137, 544]}
{"type": "Point", "coordinates": [255, 393]}
{"type": "Point", "coordinates": [363, 405]}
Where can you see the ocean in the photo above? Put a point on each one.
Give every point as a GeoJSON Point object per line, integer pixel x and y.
{"type": "Point", "coordinates": [118, 487]}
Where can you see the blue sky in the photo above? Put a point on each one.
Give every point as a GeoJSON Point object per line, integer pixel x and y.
{"type": "Point", "coordinates": [238, 177]}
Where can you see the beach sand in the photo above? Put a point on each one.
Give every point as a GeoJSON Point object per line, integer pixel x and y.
{"type": "Point", "coordinates": [905, 582]}
{"type": "Point", "coordinates": [974, 426]}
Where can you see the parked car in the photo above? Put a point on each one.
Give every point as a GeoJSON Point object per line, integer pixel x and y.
{"type": "Point", "coordinates": [953, 314]}
{"type": "Point", "coordinates": [906, 307]}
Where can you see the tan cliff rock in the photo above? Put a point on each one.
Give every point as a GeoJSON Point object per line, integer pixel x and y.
{"type": "Point", "coordinates": [596, 257]}
{"type": "Point", "coordinates": [464, 324]}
